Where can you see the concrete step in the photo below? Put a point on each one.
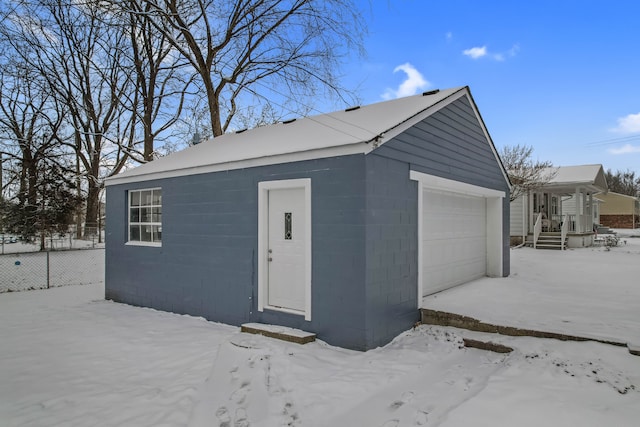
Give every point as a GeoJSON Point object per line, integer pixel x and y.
{"type": "Point", "coordinates": [547, 246]}
{"type": "Point", "coordinates": [547, 240]}
{"type": "Point", "coordinates": [279, 332]}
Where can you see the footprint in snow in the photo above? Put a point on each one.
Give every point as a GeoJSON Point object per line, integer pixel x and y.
{"type": "Point", "coordinates": [391, 423]}
{"type": "Point", "coordinates": [240, 395]}
{"type": "Point", "coordinates": [234, 373]}
{"type": "Point", "coordinates": [241, 418]}
{"type": "Point", "coordinates": [421, 418]}
{"type": "Point", "coordinates": [223, 417]}
{"type": "Point", "coordinates": [405, 398]}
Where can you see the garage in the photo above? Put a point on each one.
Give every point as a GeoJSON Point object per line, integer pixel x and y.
{"type": "Point", "coordinates": [459, 233]}
{"type": "Point", "coordinates": [454, 239]}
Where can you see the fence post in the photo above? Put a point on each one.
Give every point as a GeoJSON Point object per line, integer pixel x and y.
{"type": "Point", "coordinates": [48, 270]}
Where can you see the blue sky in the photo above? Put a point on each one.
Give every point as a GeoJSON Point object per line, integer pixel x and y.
{"type": "Point", "coordinates": [561, 76]}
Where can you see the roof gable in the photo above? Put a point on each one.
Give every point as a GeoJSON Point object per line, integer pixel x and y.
{"type": "Point", "coordinates": [567, 178]}
{"type": "Point", "coordinates": [351, 131]}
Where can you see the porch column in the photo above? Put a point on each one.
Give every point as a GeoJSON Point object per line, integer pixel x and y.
{"type": "Point", "coordinates": [590, 220]}
{"type": "Point", "coordinates": [530, 210]}
{"type": "Point", "coordinates": [578, 197]}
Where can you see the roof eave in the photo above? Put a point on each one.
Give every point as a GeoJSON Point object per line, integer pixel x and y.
{"type": "Point", "coordinates": [342, 150]}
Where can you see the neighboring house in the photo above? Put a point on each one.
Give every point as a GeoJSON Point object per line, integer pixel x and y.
{"type": "Point", "coordinates": [569, 206]}
{"type": "Point", "coordinates": [619, 210]}
{"type": "Point", "coordinates": [561, 213]}
{"type": "Point", "coordinates": [336, 224]}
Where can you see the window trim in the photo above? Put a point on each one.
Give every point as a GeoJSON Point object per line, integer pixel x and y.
{"type": "Point", "coordinates": [128, 241]}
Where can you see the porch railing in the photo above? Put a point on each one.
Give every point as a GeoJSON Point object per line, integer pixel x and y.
{"type": "Point", "coordinates": [564, 230]}
{"type": "Point", "coordinates": [537, 229]}
{"type": "Point", "coordinates": [571, 220]}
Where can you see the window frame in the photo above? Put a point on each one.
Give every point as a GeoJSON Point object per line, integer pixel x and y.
{"type": "Point", "coordinates": [142, 223]}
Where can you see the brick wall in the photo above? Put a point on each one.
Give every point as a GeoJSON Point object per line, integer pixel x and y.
{"type": "Point", "coordinates": [618, 221]}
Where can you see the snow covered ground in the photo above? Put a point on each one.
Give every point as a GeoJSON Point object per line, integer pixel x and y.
{"type": "Point", "coordinates": [591, 292]}
{"type": "Point", "coordinates": [69, 358]}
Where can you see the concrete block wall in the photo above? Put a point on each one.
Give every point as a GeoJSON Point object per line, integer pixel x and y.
{"type": "Point", "coordinates": [392, 250]}
{"type": "Point", "coordinates": [207, 264]}
{"type": "Point", "coordinates": [364, 235]}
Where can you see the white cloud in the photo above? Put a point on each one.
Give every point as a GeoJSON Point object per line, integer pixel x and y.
{"type": "Point", "coordinates": [514, 50]}
{"type": "Point", "coordinates": [410, 86]}
{"type": "Point", "coordinates": [449, 35]}
{"type": "Point", "coordinates": [481, 52]}
{"type": "Point", "coordinates": [625, 149]}
{"type": "Point", "coordinates": [475, 52]}
{"type": "Point", "coordinates": [628, 124]}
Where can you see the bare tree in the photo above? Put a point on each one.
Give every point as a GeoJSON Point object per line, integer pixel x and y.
{"type": "Point", "coordinates": [162, 78]}
{"type": "Point", "coordinates": [623, 182]}
{"type": "Point", "coordinates": [81, 57]}
{"type": "Point", "coordinates": [239, 48]}
{"type": "Point", "coordinates": [30, 120]}
{"type": "Point", "coordinates": [525, 173]}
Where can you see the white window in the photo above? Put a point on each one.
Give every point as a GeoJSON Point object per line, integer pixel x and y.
{"type": "Point", "coordinates": [145, 217]}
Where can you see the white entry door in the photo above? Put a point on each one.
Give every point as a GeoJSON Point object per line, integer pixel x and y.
{"type": "Point", "coordinates": [286, 247]}
{"type": "Point", "coordinates": [454, 239]}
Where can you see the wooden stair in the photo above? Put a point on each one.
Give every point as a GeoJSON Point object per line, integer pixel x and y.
{"type": "Point", "coordinates": [548, 240]}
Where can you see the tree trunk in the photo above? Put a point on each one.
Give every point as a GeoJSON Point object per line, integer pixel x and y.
{"type": "Point", "coordinates": [79, 189]}
{"type": "Point", "coordinates": [91, 213]}
{"type": "Point", "coordinates": [214, 107]}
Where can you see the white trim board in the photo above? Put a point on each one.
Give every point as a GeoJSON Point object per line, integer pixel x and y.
{"type": "Point", "coordinates": [263, 241]}
{"type": "Point", "coordinates": [344, 150]}
{"type": "Point", "coordinates": [412, 121]}
{"type": "Point", "coordinates": [443, 184]}
{"type": "Point", "coordinates": [494, 201]}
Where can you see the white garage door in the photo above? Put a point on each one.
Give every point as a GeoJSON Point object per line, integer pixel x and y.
{"type": "Point", "coordinates": [454, 239]}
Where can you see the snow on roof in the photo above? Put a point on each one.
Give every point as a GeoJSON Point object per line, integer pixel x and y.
{"type": "Point", "coordinates": [591, 176]}
{"type": "Point", "coordinates": [622, 196]}
{"type": "Point", "coordinates": [349, 131]}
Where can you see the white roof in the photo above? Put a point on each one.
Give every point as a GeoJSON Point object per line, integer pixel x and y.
{"type": "Point", "coordinates": [339, 133]}
{"type": "Point", "coordinates": [590, 176]}
{"type": "Point", "coordinates": [623, 196]}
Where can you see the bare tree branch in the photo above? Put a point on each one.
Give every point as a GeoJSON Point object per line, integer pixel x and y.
{"type": "Point", "coordinates": [525, 173]}
{"type": "Point", "coordinates": [294, 47]}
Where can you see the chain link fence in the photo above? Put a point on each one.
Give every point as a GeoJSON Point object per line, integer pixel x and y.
{"type": "Point", "coordinates": [91, 238]}
{"type": "Point", "coordinates": [41, 270]}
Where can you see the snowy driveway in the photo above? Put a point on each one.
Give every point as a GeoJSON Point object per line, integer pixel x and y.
{"type": "Point", "coordinates": [588, 292]}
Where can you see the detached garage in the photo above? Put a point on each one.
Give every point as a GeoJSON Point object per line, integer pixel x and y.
{"type": "Point", "coordinates": [337, 224]}
{"type": "Point", "coordinates": [459, 231]}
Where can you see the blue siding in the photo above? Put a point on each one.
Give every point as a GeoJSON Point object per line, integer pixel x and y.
{"type": "Point", "coordinates": [392, 250]}
{"type": "Point", "coordinates": [207, 265]}
{"type": "Point", "coordinates": [364, 234]}
{"type": "Point", "coordinates": [451, 144]}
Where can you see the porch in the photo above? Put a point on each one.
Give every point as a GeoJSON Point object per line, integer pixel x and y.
{"type": "Point", "coordinates": [555, 240]}
{"type": "Point", "coordinates": [563, 213]}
